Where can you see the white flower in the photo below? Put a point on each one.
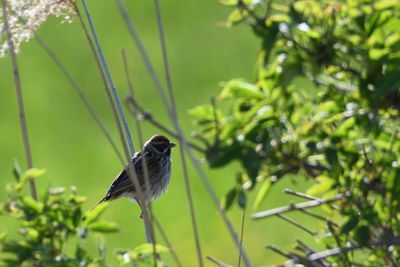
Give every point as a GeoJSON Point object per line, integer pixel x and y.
{"type": "Point", "coordinates": [25, 16]}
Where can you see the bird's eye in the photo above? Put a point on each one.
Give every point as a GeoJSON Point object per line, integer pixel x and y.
{"type": "Point", "coordinates": [149, 154]}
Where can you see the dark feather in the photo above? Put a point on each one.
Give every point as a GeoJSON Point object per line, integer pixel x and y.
{"type": "Point", "coordinates": [123, 183]}
{"type": "Point", "coordinates": [157, 158]}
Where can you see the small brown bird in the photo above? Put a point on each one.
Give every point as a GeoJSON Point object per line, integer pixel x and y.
{"type": "Point", "coordinates": [157, 153]}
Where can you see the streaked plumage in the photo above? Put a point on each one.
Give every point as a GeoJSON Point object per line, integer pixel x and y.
{"type": "Point", "coordinates": [157, 152]}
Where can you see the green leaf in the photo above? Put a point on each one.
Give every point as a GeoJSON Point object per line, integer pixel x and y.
{"type": "Point", "coordinates": [378, 53]}
{"type": "Point", "coordinates": [349, 225]}
{"type": "Point", "coordinates": [223, 154]}
{"type": "Point", "coordinates": [388, 84]}
{"type": "Point", "coordinates": [240, 88]}
{"type": "Point", "coordinates": [266, 185]}
{"type": "Point", "coordinates": [289, 72]}
{"type": "Point", "coordinates": [229, 2]}
{"type": "Point", "coordinates": [95, 213]}
{"type": "Point", "coordinates": [76, 217]}
{"type": "Point", "coordinates": [33, 234]}
{"type": "Point", "coordinates": [385, 4]}
{"type": "Point", "coordinates": [363, 235]}
{"type": "Point", "coordinates": [103, 227]}
{"type": "Point", "coordinates": [228, 199]}
{"type": "Point", "coordinates": [148, 249]}
{"type": "Point", "coordinates": [32, 205]}
{"type": "Point", "coordinates": [344, 128]}
{"type": "Point", "coordinates": [324, 184]}
{"type": "Point", "coordinates": [77, 199]}
{"type": "Point", "coordinates": [242, 199]}
{"type": "Point", "coordinates": [251, 162]}
{"type": "Point", "coordinates": [204, 114]}
{"type": "Point", "coordinates": [236, 17]}
{"type": "Point", "coordinates": [333, 159]}
{"type": "Point", "coordinates": [29, 174]}
{"type": "Point", "coordinates": [17, 170]}
{"type": "Point", "coordinates": [44, 193]}
{"type": "Point", "coordinates": [80, 253]}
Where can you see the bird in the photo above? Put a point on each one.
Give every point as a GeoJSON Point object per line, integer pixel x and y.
{"type": "Point", "coordinates": [156, 154]}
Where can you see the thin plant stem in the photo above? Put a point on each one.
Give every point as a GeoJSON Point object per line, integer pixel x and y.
{"type": "Point", "coordinates": [196, 163]}
{"type": "Point", "coordinates": [18, 89]}
{"type": "Point", "coordinates": [241, 235]}
{"type": "Point", "coordinates": [312, 214]}
{"type": "Point", "coordinates": [299, 194]}
{"type": "Point", "coordinates": [344, 257]}
{"type": "Point", "coordinates": [146, 172]}
{"type": "Point", "coordinates": [296, 224]}
{"type": "Point", "coordinates": [298, 206]}
{"type": "Point", "coordinates": [217, 262]}
{"type": "Point", "coordinates": [81, 95]}
{"type": "Point", "coordinates": [141, 202]}
{"type": "Point", "coordinates": [111, 82]}
{"type": "Point", "coordinates": [147, 116]}
{"type": "Point", "coordinates": [339, 250]}
{"type": "Point", "coordinates": [164, 236]}
{"type": "Point", "coordinates": [278, 251]}
{"type": "Point", "coordinates": [181, 141]}
{"type": "Point", "coordinates": [132, 173]}
{"type": "Point", "coordinates": [216, 122]}
{"type": "Point", "coordinates": [103, 79]}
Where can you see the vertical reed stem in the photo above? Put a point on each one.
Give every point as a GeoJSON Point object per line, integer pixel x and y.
{"type": "Point", "coordinates": [19, 98]}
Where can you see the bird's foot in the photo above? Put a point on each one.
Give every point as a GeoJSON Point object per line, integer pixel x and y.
{"type": "Point", "coordinates": [141, 215]}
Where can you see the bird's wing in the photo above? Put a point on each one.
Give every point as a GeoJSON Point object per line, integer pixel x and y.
{"type": "Point", "coordinates": [123, 183]}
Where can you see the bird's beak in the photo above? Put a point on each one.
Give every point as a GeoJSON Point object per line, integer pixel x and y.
{"type": "Point", "coordinates": [172, 144]}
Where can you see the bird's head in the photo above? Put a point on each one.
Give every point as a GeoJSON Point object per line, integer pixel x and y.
{"type": "Point", "coordinates": [159, 144]}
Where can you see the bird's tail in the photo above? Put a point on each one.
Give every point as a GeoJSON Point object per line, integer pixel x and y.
{"type": "Point", "coordinates": [106, 198]}
{"type": "Point", "coordinates": [103, 200]}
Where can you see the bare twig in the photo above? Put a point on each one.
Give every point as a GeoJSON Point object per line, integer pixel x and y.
{"type": "Point", "coordinates": [103, 79]}
{"type": "Point", "coordinates": [217, 130]}
{"type": "Point", "coordinates": [147, 116]}
{"type": "Point", "coordinates": [241, 235]}
{"type": "Point", "coordinates": [280, 252]}
{"type": "Point", "coordinates": [336, 86]}
{"type": "Point", "coordinates": [348, 69]}
{"type": "Point", "coordinates": [337, 251]}
{"type": "Point", "coordinates": [217, 262]}
{"type": "Point", "coordinates": [296, 224]}
{"type": "Point", "coordinates": [306, 248]}
{"type": "Point", "coordinates": [303, 205]}
{"type": "Point", "coordinates": [81, 94]}
{"type": "Point", "coordinates": [318, 217]}
{"type": "Point", "coordinates": [18, 89]}
{"type": "Point", "coordinates": [389, 150]}
{"type": "Point", "coordinates": [344, 257]}
{"type": "Point", "coordinates": [299, 194]}
{"type": "Point", "coordinates": [268, 9]}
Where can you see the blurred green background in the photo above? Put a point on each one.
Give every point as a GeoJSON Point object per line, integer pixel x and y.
{"type": "Point", "coordinates": [67, 142]}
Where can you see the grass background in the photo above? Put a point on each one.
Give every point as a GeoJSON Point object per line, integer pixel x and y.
{"type": "Point", "coordinates": [67, 142]}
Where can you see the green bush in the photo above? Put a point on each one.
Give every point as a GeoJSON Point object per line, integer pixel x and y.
{"type": "Point", "coordinates": [52, 231]}
{"type": "Point", "coordinates": [325, 104]}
